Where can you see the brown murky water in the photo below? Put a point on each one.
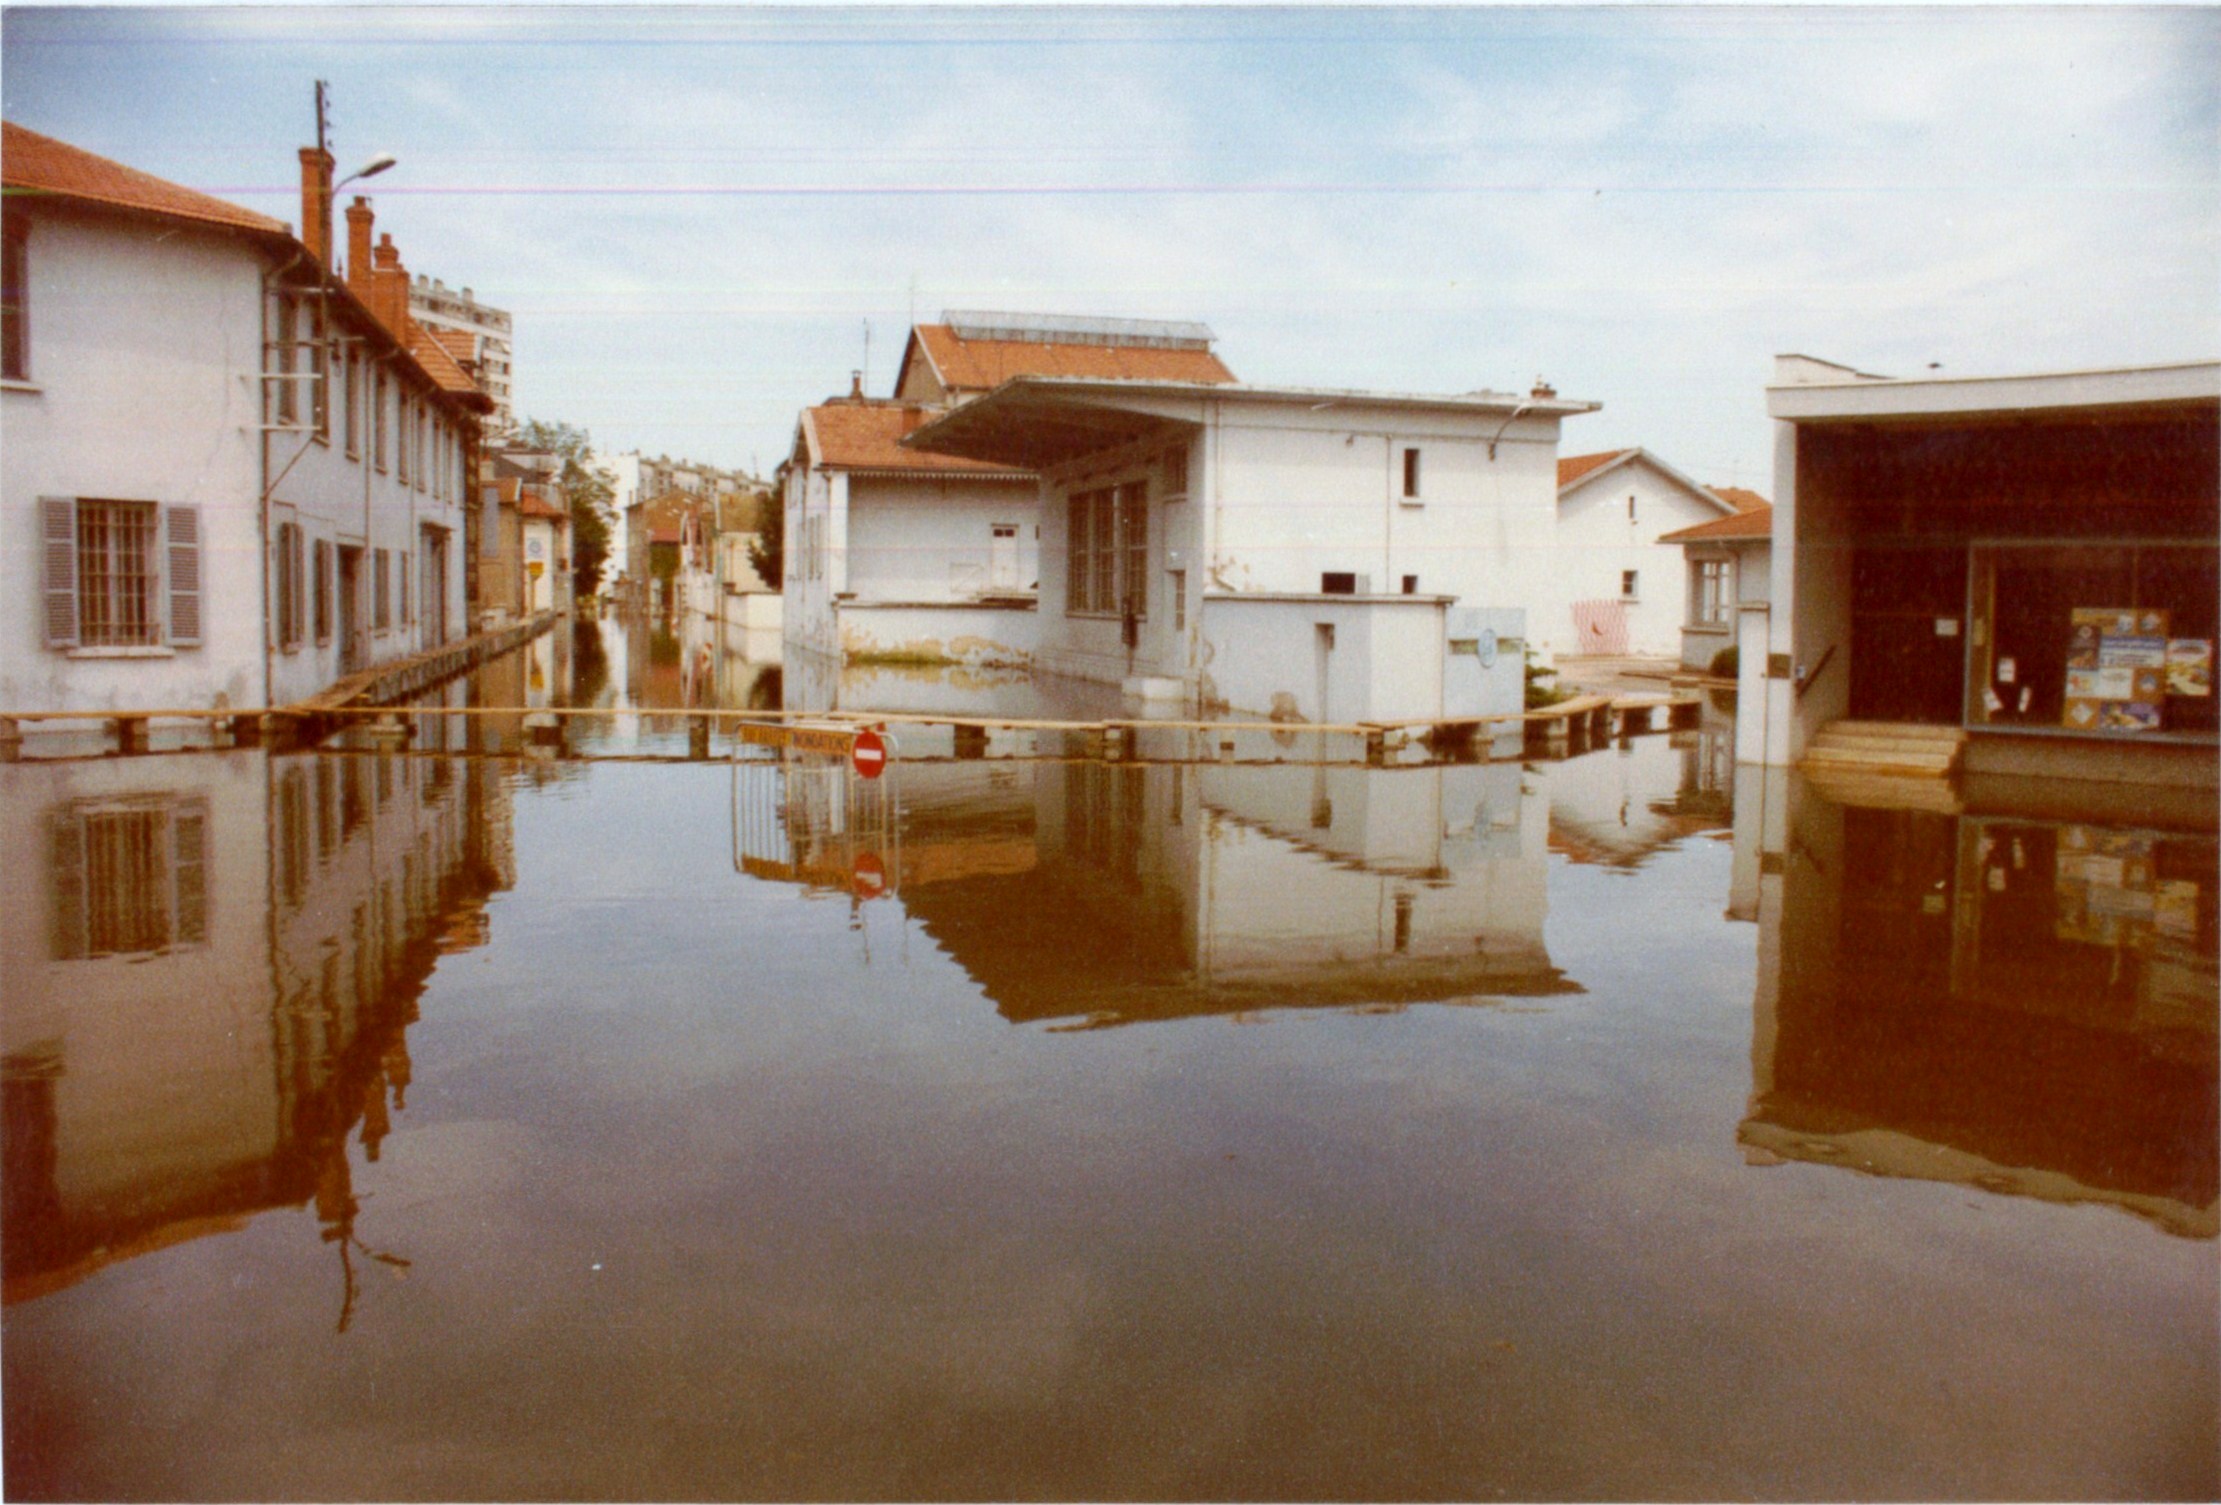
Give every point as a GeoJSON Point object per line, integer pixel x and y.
{"type": "Point", "coordinates": [415, 1126]}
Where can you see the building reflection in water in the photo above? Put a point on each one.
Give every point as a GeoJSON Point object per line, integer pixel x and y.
{"type": "Point", "coordinates": [1100, 893]}
{"type": "Point", "coordinates": [2017, 1002]}
{"type": "Point", "coordinates": [213, 964]}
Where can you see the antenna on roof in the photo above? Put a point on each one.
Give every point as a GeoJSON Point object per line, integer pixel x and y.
{"type": "Point", "coordinates": [867, 354]}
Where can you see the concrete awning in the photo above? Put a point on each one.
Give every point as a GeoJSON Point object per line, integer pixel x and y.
{"type": "Point", "coordinates": [1024, 426]}
{"type": "Point", "coordinates": [1039, 422]}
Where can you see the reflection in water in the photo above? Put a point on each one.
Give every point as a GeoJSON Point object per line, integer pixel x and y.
{"type": "Point", "coordinates": [2025, 1006]}
{"type": "Point", "coordinates": [706, 1186]}
{"type": "Point", "coordinates": [213, 964]}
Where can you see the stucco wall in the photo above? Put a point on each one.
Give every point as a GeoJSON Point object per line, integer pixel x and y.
{"type": "Point", "coordinates": [146, 354]}
{"type": "Point", "coordinates": [162, 329]}
{"type": "Point", "coordinates": [1598, 541]}
{"type": "Point", "coordinates": [1271, 656]}
{"type": "Point", "coordinates": [955, 633]}
{"type": "Point", "coordinates": [918, 539]}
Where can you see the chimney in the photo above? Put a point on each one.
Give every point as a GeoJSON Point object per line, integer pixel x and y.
{"type": "Point", "coordinates": [359, 219]}
{"type": "Point", "coordinates": [390, 288]}
{"type": "Point", "coordinates": [1543, 389]}
{"type": "Point", "coordinates": [855, 386]}
{"type": "Point", "coordinates": [316, 204]}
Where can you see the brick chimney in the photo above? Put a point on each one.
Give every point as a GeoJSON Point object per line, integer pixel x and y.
{"type": "Point", "coordinates": [316, 204]}
{"type": "Point", "coordinates": [389, 288]}
{"type": "Point", "coordinates": [359, 220]}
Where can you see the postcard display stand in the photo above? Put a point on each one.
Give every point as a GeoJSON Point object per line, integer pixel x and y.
{"type": "Point", "coordinates": [2122, 667]}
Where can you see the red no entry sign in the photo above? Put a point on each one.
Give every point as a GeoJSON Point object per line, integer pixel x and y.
{"type": "Point", "coordinates": [869, 754]}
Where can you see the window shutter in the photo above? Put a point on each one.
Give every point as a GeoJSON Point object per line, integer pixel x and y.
{"type": "Point", "coordinates": [189, 828]}
{"type": "Point", "coordinates": [185, 576]}
{"type": "Point", "coordinates": [68, 885]}
{"type": "Point", "coordinates": [300, 580]}
{"type": "Point", "coordinates": [58, 568]}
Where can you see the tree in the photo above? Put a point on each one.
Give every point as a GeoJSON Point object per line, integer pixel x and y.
{"type": "Point", "coordinates": [588, 492]}
{"type": "Point", "coordinates": [767, 551]}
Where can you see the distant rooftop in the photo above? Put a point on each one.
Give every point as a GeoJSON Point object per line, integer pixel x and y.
{"type": "Point", "coordinates": [1075, 329]}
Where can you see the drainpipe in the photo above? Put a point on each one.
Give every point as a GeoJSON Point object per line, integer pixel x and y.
{"type": "Point", "coordinates": [269, 482]}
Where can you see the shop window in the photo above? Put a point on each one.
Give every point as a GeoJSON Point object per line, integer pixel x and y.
{"type": "Point", "coordinates": [2109, 641]}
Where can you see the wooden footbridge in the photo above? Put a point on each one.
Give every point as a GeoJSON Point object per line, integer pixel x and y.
{"type": "Point", "coordinates": [1570, 726]}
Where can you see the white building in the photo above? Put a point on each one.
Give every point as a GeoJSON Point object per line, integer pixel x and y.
{"type": "Point", "coordinates": [1625, 586]}
{"type": "Point", "coordinates": [230, 477]}
{"type": "Point", "coordinates": [1314, 554]}
{"type": "Point", "coordinates": [892, 554]}
{"type": "Point", "coordinates": [484, 351]}
{"type": "Point", "coordinates": [899, 555]}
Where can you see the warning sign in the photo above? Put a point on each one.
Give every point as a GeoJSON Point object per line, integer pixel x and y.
{"type": "Point", "coordinates": [869, 754]}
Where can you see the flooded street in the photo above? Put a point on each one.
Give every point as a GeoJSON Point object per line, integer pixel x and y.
{"type": "Point", "coordinates": [453, 1123]}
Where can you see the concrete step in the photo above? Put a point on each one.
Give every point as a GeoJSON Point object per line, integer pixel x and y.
{"type": "Point", "coordinates": [1873, 761]}
{"type": "Point", "coordinates": [1916, 730]}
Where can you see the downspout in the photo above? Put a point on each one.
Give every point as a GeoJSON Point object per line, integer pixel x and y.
{"type": "Point", "coordinates": [269, 482]}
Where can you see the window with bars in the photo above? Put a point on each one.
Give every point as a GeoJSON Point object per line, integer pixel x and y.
{"type": "Point", "coordinates": [119, 574]}
{"type": "Point", "coordinates": [381, 589]}
{"type": "Point", "coordinates": [423, 461]}
{"type": "Point", "coordinates": [128, 879]}
{"type": "Point", "coordinates": [401, 446]}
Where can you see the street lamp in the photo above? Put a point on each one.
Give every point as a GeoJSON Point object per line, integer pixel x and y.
{"type": "Point", "coordinates": [370, 169]}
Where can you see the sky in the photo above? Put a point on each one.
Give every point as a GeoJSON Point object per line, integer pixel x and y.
{"type": "Point", "coordinates": [697, 214]}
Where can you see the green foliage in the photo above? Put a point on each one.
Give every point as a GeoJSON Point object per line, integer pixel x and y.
{"type": "Point", "coordinates": [587, 490]}
{"type": "Point", "coordinates": [767, 551]}
{"type": "Point", "coordinates": [1726, 663]}
{"type": "Point", "coordinates": [1540, 693]}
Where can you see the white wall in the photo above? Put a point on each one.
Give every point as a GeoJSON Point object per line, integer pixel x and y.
{"type": "Point", "coordinates": [140, 345]}
{"type": "Point", "coordinates": [146, 354]}
{"type": "Point", "coordinates": [1282, 493]}
{"type": "Point", "coordinates": [965, 634]}
{"type": "Point", "coordinates": [1265, 656]}
{"type": "Point", "coordinates": [931, 539]}
{"type": "Point", "coordinates": [1598, 541]}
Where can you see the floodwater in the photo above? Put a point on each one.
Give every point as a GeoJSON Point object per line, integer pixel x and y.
{"type": "Point", "coordinates": [445, 1124]}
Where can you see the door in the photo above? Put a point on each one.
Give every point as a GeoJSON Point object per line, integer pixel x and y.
{"type": "Point", "coordinates": [433, 588]}
{"type": "Point", "coordinates": [350, 610]}
{"type": "Point", "coordinates": [1908, 640]}
{"type": "Point", "coordinates": [1002, 561]}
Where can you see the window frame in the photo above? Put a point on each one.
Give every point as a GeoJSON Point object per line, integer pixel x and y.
{"type": "Point", "coordinates": [15, 300]}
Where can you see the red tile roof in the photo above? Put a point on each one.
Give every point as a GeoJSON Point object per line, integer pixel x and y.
{"type": "Point", "coordinates": [867, 436]}
{"type": "Point", "coordinates": [537, 503]}
{"type": "Point", "coordinates": [1739, 526]}
{"type": "Point", "coordinates": [32, 164]}
{"type": "Point", "coordinates": [459, 343]}
{"type": "Point", "coordinates": [978, 365]}
{"type": "Point", "coordinates": [431, 354]}
{"type": "Point", "coordinates": [1740, 499]}
{"type": "Point", "coordinates": [1572, 467]}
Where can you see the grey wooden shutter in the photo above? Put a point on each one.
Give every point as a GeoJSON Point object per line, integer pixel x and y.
{"type": "Point", "coordinates": [58, 568]}
{"type": "Point", "coordinates": [67, 883]}
{"type": "Point", "coordinates": [185, 576]}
